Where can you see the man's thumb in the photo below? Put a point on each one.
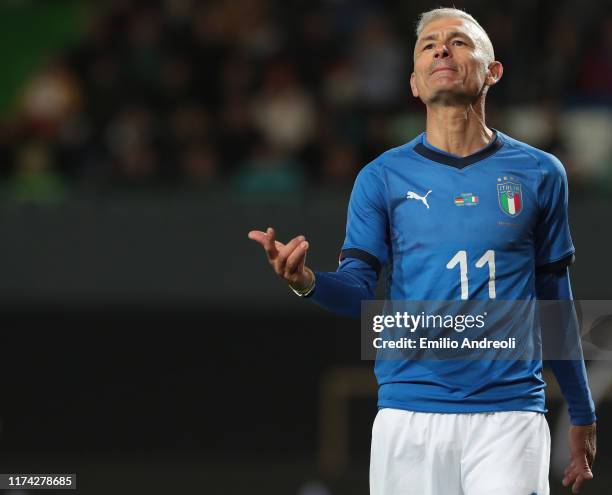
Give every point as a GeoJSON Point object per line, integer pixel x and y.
{"type": "Point", "coordinates": [586, 470]}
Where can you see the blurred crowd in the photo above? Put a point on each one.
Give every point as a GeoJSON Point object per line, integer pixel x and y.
{"type": "Point", "coordinates": [267, 97]}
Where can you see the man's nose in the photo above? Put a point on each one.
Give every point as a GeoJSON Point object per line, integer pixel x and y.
{"type": "Point", "coordinates": [442, 51]}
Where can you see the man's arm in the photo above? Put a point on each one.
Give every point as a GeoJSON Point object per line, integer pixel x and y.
{"type": "Point", "coordinates": [343, 290]}
{"type": "Point", "coordinates": [572, 378]}
{"type": "Point", "coordinates": [365, 250]}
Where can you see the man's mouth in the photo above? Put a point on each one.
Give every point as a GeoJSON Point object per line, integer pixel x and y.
{"type": "Point", "coordinates": [440, 69]}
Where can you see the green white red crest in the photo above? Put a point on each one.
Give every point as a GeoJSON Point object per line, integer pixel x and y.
{"type": "Point", "coordinates": [510, 198]}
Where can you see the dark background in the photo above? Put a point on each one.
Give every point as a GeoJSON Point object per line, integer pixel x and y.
{"type": "Point", "coordinates": [146, 344]}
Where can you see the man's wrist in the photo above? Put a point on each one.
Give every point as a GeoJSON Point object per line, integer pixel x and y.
{"type": "Point", "coordinates": [307, 290]}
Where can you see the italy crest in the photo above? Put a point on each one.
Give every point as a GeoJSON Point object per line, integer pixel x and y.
{"type": "Point", "coordinates": [510, 198]}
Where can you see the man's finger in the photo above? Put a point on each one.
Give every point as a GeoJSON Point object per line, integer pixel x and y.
{"type": "Point", "coordinates": [284, 253]}
{"type": "Point", "coordinates": [569, 476]}
{"type": "Point", "coordinates": [270, 244]}
{"type": "Point", "coordinates": [577, 484]}
{"type": "Point", "coordinates": [583, 467]}
{"type": "Point", "coordinates": [580, 478]}
{"type": "Point", "coordinates": [296, 258]}
{"type": "Point", "coordinates": [570, 473]}
{"type": "Point", "coordinates": [585, 470]}
{"type": "Point", "coordinates": [260, 237]}
{"type": "Point", "coordinates": [257, 236]}
{"type": "Point", "coordinates": [577, 473]}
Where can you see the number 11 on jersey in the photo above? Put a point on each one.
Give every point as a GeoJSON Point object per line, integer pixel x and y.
{"type": "Point", "coordinates": [461, 259]}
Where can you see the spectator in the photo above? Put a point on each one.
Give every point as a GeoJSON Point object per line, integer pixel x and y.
{"type": "Point", "coordinates": [283, 111]}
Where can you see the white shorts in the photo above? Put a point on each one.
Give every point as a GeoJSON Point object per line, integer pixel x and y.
{"type": "Point", "coordinates": [500, 453]}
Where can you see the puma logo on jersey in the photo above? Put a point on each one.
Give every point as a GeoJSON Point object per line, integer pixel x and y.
{"type": "Point", "coordinates": [423, 199]}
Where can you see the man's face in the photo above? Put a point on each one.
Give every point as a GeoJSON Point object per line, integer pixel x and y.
{"type": "Point", "coordinates": [449, 64]}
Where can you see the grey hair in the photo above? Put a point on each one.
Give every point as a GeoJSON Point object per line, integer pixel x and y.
{"type": "Point", "coordinates": [484, 43]}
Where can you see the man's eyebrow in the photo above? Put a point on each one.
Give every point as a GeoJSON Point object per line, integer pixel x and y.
{"type": "Point", "coordinates": [453, 34]}
{"type": "Point", "coordinates": [428, 38]}
{"type": "Point", "coordinates": [456, 34]}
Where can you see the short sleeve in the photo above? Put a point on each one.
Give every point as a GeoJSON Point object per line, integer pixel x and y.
{"type": "Point", "coordinates": [367, 221]}
{"type": "Point", "coordinates": [553, 241]}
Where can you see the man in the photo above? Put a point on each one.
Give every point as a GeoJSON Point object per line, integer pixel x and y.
{"type": "Point", "coordinates": [477, 429]}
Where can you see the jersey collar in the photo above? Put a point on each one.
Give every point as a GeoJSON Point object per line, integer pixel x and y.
{"type": "Point", "coordinates": [437, 155]}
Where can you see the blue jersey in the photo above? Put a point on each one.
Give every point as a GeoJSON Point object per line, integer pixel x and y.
{"type": "Point", "coordinates": [453, 228]}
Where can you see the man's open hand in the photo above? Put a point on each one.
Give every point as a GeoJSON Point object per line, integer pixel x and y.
{"type": "Point", "coordinates": [287, 260]}
{"type": "Point", "coordinates": [583, 446]}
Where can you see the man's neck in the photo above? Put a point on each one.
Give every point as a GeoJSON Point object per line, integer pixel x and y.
{"type": "Point", "coordinates": [459, 130]}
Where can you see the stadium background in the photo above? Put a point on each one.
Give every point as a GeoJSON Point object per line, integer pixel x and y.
{"type": "Point", "coordinates": [146, 344]}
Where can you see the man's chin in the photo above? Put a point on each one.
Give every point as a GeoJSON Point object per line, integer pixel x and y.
{"type": "Point", "coordinates": [450, 97]}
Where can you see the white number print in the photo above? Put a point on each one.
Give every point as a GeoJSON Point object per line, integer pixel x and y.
{"type": "Point", "coordinates": [461, 259]}
{"type": "Point", "coordinates": [489, 257]}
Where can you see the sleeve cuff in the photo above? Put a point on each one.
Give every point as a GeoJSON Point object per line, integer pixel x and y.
{"type": "Point", "coordinates": [584, 420]}
{"type": "Point", "coordinates": [362, 255]}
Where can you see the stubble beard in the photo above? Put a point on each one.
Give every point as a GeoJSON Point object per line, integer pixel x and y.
{"type": "Point", "coordinates": [452, 97]}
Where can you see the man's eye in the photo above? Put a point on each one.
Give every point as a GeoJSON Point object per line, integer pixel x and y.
{"type": "Point", "coordinates": [428, 46]}
{"type": "Point", "coordinates": [458, 42]}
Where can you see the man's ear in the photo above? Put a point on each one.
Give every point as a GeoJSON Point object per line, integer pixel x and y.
{"type": "Point", "coordinates": [413, 86]}
{"type": "Point", "coordinates": [495, 72]}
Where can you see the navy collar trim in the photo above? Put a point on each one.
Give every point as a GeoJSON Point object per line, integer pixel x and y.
{"type": "Point", "coordinates": [456, 161]}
